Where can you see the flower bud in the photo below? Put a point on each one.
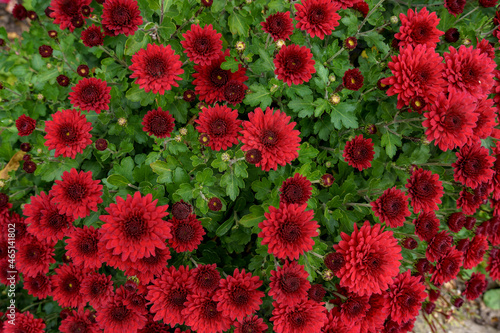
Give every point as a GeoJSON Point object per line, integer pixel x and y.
{"type": "Point", "coordinates": [178, 138]}
{"type": "Point", "coordinates": [394, 19]}
{"type": "Point", "coordinates": [225, 157]}
{"type": "Point", "coordinates": [183, 131]}
{"type": "Point", "coordinates": [328, 275]}
{"type": "Point", "coordinates": [122, 122]}
{"type": "Point", "coordinates": [332, 78]}
{"type": "Point", "coordinates": [280, 43]}
{"type": "Point", "coordinates": [39, 97]}
{"type": "Point", "coordinates": [334, 99]}
{"type": "Point", "coordinates": [240, 46]}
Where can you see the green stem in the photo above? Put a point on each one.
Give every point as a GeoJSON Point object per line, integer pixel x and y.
{"type": "Point", "coordinates": [464, 16]}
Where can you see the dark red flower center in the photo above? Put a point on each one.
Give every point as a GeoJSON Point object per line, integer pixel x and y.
{"type": "Point", "coordinates": [297, 318]}
{"type": "Point", "coordinates": [453, 121]}
{"type": "Point", "coordinates": [156, 67]}
{"type": "Point", "coordinates": [88, 245]}
{"type": "Point", "coordinates": [202, 45]}
{"type": "Point", "coordinates": [158, 125]}
{"type": "Point", "coordinates": [70, 7]}
{"type": "Point", "coordinates": [316, 15]}
{"type": "Point", "coordinates": [472, 166]}
{"type": "Point", "coordinates": [424, 189]}
{"type": "Point", "coordinates": [184, 232]}
{"type": "Point", "coordinates": [293, 63]}
{"type": "Point", "coordinates": [392, 206]}
{"type": "Point", "coordinates": [207, 279]}
{"type": "Point", "coordinates": [119, 313]}
{"type": "Point", "coordinates": [353, 307]}
{"type": "Point", "coordinates": [76, 192]}
{"type": "Point", "coordinates": [269, 138]}
{"type": "Point", "coordinates": [420, 33]}
{"type": "Point", "coordinates": [234, 92]}
{"type": "Point", "coordinates": [121, 15]}
{"type": "Point", "coordinates": [68, 134]}
{"type": "Point", "coordinates": [290, 283]}
{"type": "Point", "coordinates": [78, 327]}
{"type": "Point", "coordinates": [134, 227]}
{"type": "Point", "coordinates": [152, 260]}
{"type": "Point", "coordinates": [70, 285]}
{"type": "Point", "coordinates": [97, 288]}
{"type": "Point", "coordinates": [248, 327]}
{"type": "Point", "coordinates": [470, 74]}
{"type": "Point", "coordinates": [407, 300]}
{"type": "Point", "coordinates": [218, 127]}
{"type": "Point", "coordinates": [293, 193]}
{"type": "Point", "coordinates": [34, 253]}
{"type": "Point", "coordinates": [219, 77]}
{"type": "Point", "coordinates": [178, 297]}
{"type": "Point", "coordinates": [422, 75]}
{"type": "Point", "coordinates": [372, 263]}
{"type": "Point", "coordinates": [56, 221]}
{"type": "Point", "coordinates": [240, 296]}
{"type": "Point", "coordinates": [276, 25]}
{"type": "Point", "coordinates": [289, 232]}
{"type": "Point", "coordinates": [210, 310]}
{"type": "Point", "coordinates": [90, 93]}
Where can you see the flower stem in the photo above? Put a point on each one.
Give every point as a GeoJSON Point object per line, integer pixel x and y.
{"type": "Point", "coordinates": [464, 16]}
{"type": "Point", "coordinates": [358, 204]}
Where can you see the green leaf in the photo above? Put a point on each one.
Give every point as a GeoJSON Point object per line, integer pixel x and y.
{"type": "Point", "coordinates": [373, 38]}
{"type": "Point", "coordinates": [206, 177]}
{"type": "Point", "coordinates": [492, 299]}
{"type": "Point", "coordinates": [264, 63]}
{"type": "Point", "coordinates": [232, 185]}
{"type": "Point", "coordinates": [304, 107]}
{"type": "Point", "coordinates": [225, 227]}
{"type": "Point", "coordinates": [160, 167]}
{"type": "Point", "coordinates": [185, 191]}
{"type": "Point", "coordinates": [390, 141]}
{"type": "Point", "coordinates": [118, 180]}
{"type": "Point", "coordinates": [342, 115]}
{"type": "Point", "coordinates": [259, 95]}
{"type": "Point", "coordinates": [230, 64]}
{"type": "Point", "coordinates": [262, 188]}
{"type": "Point", "coordinates": [254, 218]}
{"type": "Point", "coordinates": [126, 168]}
{"type": "Point", "coordinates": [239, 23]}
{"type": "Point", "coordinates": [135, 94]}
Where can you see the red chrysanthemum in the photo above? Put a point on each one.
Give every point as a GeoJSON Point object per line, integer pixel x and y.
{"type": "Point", "coordinates": [456, 221]}
{"type": "Point", "coordinates": [83, 247]}
{"type": "Point", "coordinates": [45, 220]}
{"type": "Point", "coordinates": [67, 12]}
{"type": "Point", "coordinates": [361, 6]}
{"type": "Point", "coordinates": [295, 190]}
{"type": "Point", "coordinates": [455, 7]}
{"type": "Point", "coordinates": [468, 71]}
{"type": "Point", "coordinates": [153, 326]}
{"type": "Point", "coordinates": [288, 230]}
{"type": "Point", "coordinates": [121, 17]}
{"type": "Point", "coordinates": [334, 261]}
{"type": "Point", "coordinates": [221, 124]}
{"type": "Point", "coordinates": [169, 293]}
{"type": "Point", "coordinates": [417, 74]}
{"type": "Point", "coordinates": [158, 123]}
{"type": "Point", "coordinates": [38, 286]}
{"type": "Point", "coordinates": [473, 165]}
{"type": "Point", "coordinates": [450, 120]}
{"type": "Point", "coordinates": [34, 257]}
{"type": "Point", "coordinates": [238, 296]}
{"type": "Point", "coordinates": [19, 12]}
{"type": "Point", "coordinates": [157, 68]}
{"type": "Point", "coordinates": [234, 92]}
{"type": "Point", "coordinates": [353, 79]}
{"type": "Point", "coordinates": [187, 234]}
{"type": "Point", "coordinates": [279, 26]}
{"type": "Point", "coordinates": [391, 207]}
{"type": "Point", "coordinates": [493, 267]}
{"type": "Point", "coordinates": [426, 226]}
{"type": "Point", "coordinates": [447, 267]}
{"type": "Point", "coordinates": [303, 316]}
{"type": "Point", "coordinates": [273, 135]}
{"type": "Point", "coordinates": [147, 268]}
{"type": "Point", "coordinates": [204, 279]}
{"type": "Point", "coordinates": [492, 230]}
{"type": "Point", "coordinates": [68, 133]}
{"type": "Point", "coordinates": [289, 284]}
{"type": "Point", "coordinates": [202, 315]}
{"type": "Point", "coordinates": [76, 194]}
{"type": "Point", "coordinates": [418, 28]}
{"type": "Point", "coordinates": [376, 315]}
{"type": "Point", "coordinates": [92, 36]}
{"type": "Point", "coordinates": [202, 46]}
{"type": "Point", "coordinates": [210, 81]}
{"type": "Point", "coordinates": [90, 94]}
{"type": "Point", "coordinates": [425, 190]}
{"type": "Point", "coordinates": [353, 308]}
{"type": "Point", "coordinates": [359, 152]}
{"type": "Point", "coordinates": [405, 295]}
{"type": "Point", "coordinates": [316, 292]}
{"type": "Point", "coordinates": [475, 286]}
{"type": "Point", "coordinates": [334, 323]}
{"type": "Point", "coordinates": [294, 64]}
{"type": "Point", "coordinates": [181, 210]}
{"type": "Point", "coordinates": [67, 283]}
{"type": "Point", "coordinates": [317, 17]}
{"type": "Point", "coordinates": [97, 289]}
{"type": "Point", "coordinates": [250, 324]}
{"type": "Point", "coordinates": [475, 252]}
{"type": "Point", "coordinates": [79, 321]}
{"type": "Point", "coordinates": [25, 125]}
{"type": "Point", "coordinates": [24, 322]}
{"type": "Point", "coordinates": [439, 246]}
{"type": "Point", "coordinates": [371, 259]}
{"type": "Point", "coordinates": [486, 118]}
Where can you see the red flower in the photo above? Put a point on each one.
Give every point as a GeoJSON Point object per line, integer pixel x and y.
{"type": "Point", "coordinates": [391, 207]}
{"type": "Point", "coordinates": [405, 297]}
{"type": "Point", "coordinates": [353, 309]}
{"type": "Point", "coordinates": [83, 247]}
{"type": "Point", "coordinates": [450, 121]}
{"type": "Point", "coordinates": [486, 118]}
{"type": "Point", "coordinates": [455, 7]}
{"type": "Point", "coordinates": [476, 286]}
{"type": "Point", "coordinates": [493, 267]}
{"type": "Point", "coordinates": [294, 64]}
{"type": "Point", "coordinates": [371, 259]}
{"type": "Point", "coordinates": [317, 17]}
{"type": "Point", "coordinates": [25, 322]}
{"type": "Point", "coordinates": [97, 289]}
{"type": "Point", "coordinates": [92, 36]}
{"type": "Point", "coordinates": [273, 135]}
{"type": "Point", "coordinates": [79, 322]}
{"type": "Point", "coordinates": [34, 257]}
{"type": "Point", "coordinates": [334, 261]}
{"type": "Point", "coordinates": [202, 46]}
{"type": "Point", "coordinates": [279, 26]}
{"type": "Point", "coordinates": [376, 316]}
{"type": "Point", "coordinates": [90, 94]}
{"type": "Point", "coordinates": [76, 194]}
{"type": "Point", "coordinates": [168, 294]}
{"type": "Point", "coordinates": [288, 230]}
{"type": "Point", "coordinates": [68, 133]}
{"type": "Point", "coordinates": [204, 279]}
{"type": "Point", "coordinates": [295, 190]}
{"type": "Point", "coordinates": [468, 71]}
{"type": "Point", "coordinates": [447, 267]}
{"type": "Point", "coordinates": [234, 92]}
{"type": "Point", "coordinates": [135, 227]}
{"type": "Point", "coordinates": [334, 323]}
{"type": "Point", "coordinates": [488, 3]}
{"type": "Point", "coordinates": [439, 246]}
{"type": "Point", "coordinates": [425, 190]}
{"type": "Point", "coordinates": [202, 315]}
{"type": "Point", "coordinates": [456, 221]}
{"type": "Point", "coordinates": [38, 286]}
{"type": "Point", "coordinates": [251, 324]}
{"type": "Point", "coordinates": [304, 316]}
{"type": "Point", "coordinates": [25, 125]}
{"type": "Point", "coordinates": [473, 165]}
{"type": "Point", "coordinates": [147, 268]}
{"type": "Point", "coordinates": [157, 68]}
{"type": "Point", "coordinates": [156, 327]}
{"type": "Point", "coordinates": [352, 79]}
{"type": "Point", "coordinates": [158, 123]}
{"type": "Point", "coordinates": [475, 252]}
{"type": "Point", "coordinates": [316, 293]}
{"type": "Point", "coordinates": [187, 234]}
{"type": "Point", "coordinates": [238, 296]}
{"type": "Point", "coordinates": [181, 210]}
{"type": "Point", "coordinates": [19, 12]}
{"type": "Point", "coordinates": [359, 152]}
{"type": "Point", "coordinates": [417, 74]}
{"type": "Point", "coordinates": [361, 6]}
{"type": "Point", "coordinates": [67, 283]}
{"type": "Point", "coordinates": [121, 17]}
{"type": "Point", "coordinates": [289, 284]}
{"type": "Point", "coordinates": [426, 226]}
{"type": "Point", "coordinates": [45, 220]}
{"type": "Point", "coordinates": [418, 28]}
{"type": "Point", "coordinates": [220, 123]}
{"type": "Point", "coordinates": [67, 12]}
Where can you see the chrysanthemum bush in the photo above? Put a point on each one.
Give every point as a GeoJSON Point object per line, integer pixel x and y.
{"type": "Point", "coordinates": [248, 165]}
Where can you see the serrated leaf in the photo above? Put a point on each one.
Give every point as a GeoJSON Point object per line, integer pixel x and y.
{"type": "Point", "coordinates": [259, 95]}
{"type": "Point", "coordinates": [390, 142]}
{"type": "Point", "coordinates": [230, 64]}
{"type": "Point", "coordinates": [342, 115]}
{"type": "Point", "coordinates": [118, 180]}
{"type": "Point", "coordinates": [373, 38]}
{"type": "Point", "coordinates": [303, 106]}
{"type": "Point", "coordinates": [238, 24]}
{"type": "Point", "coordinates": [232, 184]}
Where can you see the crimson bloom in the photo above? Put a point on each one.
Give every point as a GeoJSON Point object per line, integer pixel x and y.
{"type": "Point", "coordinates": [294, 64]}
{"type": "Point", "coordinates": [67, 12]}
{"type": "Point", "coordinates": [234, 92]}
{"type": "Point", "coordinates": [97, 289]}
{"type": "Point", "coordinates": [371, 258]}
{"type": "Point", "coordinates": [475, 252]}
{"type": "Point", "coordinates": [92, 36]}
{"type": "Point", "coordinates": [147, 268]}
{"type": "Point", "coordinates": [158, 123]}
{"type": "Point", "coordinates": [90, 94]}
{"type": "Point", "coordinates": [202, 46]}
{"type": "Point", "coordinates": [425, 190]}
{"type": "Point", "coordinates": [317, 17]}
{"type": "Point", "coordinates": [447, 267]}
{"type": "Point", "coordinates": [426, 226]}
{"type": "Point", "coordinates": [38, 286]}
{"type": "Point", "coordinates": [25, 125]}
{"type": "Point", "coordinates": [34, 257]}
{"type": "Point", "coordinates": [221, 124]}
{"type": "Point", "coordinates": [473, 165]}
{"type": "Point", "coordinates": [252, 324]}
{"type": "Point", "coordinates": [83, 247]}
{"type": "Point", "coordinates": [439, 246]}
{"type": "Point", "coordinates": [68, 133]}
{"type": "Point", "coordinates": [67, 283]}
{"type": "Point", "coordinates": [79, 321]}
{"type": "Point", "coordinates": [187, 234]}
{"type": "Point", "coordinates": [359, 152]}
{"type": "Point", "coordinates": [288, 230]}
{"type": "Point", "coordinates": [203, 316]}
{"type": "Point", "coordinates": [157, 68]}
{"type": "Point", "coordinates": [353, 79]}
{"type": "Point", "coordinates": [476, 286]}
{"type": "Point", "coordinates": [121, 17]}
{"type": "Point", "coordinates": [392, 207]}
{"type": "Point", "coordinates": [135, 227]}
{"type": "Point", "coordinates": [493, 267]}
{"type": "Point", "coordinates": [204, 279]}
{"type": "Point", "coordinates": [418, 28]}
{"type": "Point", "coordinates": [289, 284]}
{"type": "Point", "coordinates": [273, 135]}
{"type": "Point", "coordinates": [306, 315]}
{"type": "Point", "coordinates": [405, 295]}
{"type": "Point", "coordinates": [279, 26]}
{"type": "Point", "coordinates": [486, 118]}
{"type": "Point", "coordinates": [19, 12]}
{"type": "Point", "coordinates": [25, 322]}
{"type": "Point", "coordinates": [455, 7]}
{"type": "Point", "coordinates": [295, 190]}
